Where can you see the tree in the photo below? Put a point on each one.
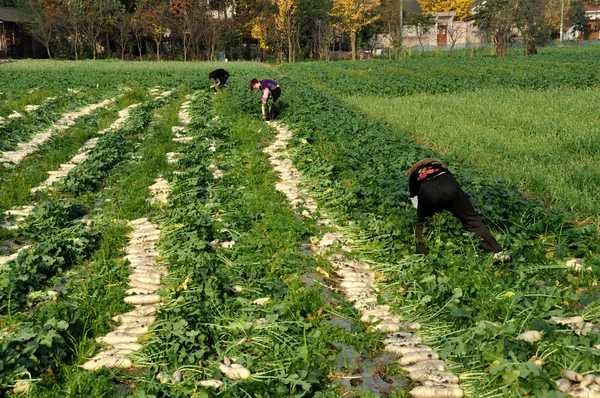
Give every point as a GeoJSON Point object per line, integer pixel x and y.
{"type": "Point", "coordinates": [97, 17]}
{"type": "Point", "coordinates": [156, 17]}
{"type": "Point", "coordinates": [285, 24]}
{"type": "Point", "coordinates": [138, 24]}
{"type": "Point", "coordinates": [353, 15]}
{"type": "Point", "coordinates": [120, 25]}
{"type": "Point", "coordinates": [496, 18]}
{"type": "Point", "coordinates": [579, 19]}
{"type": "Point", "coordinates": [533, 20]}
{"type": "Point", "coordinates": [461, 7]}
{"type": "Point", "coordinates": [422, 23]}
{"type": "Point", "coordinates": [72, 16]}
{"type": "Point", "coordinates": [184, 21]}
{"type": "Point", "coordinates": [41, 21]}
{"type": "Point", "coordinates": [456, 31]}
{"type": "Point", "coordinates": [391, 16]}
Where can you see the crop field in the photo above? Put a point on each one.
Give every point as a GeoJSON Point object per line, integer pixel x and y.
{"type": "Point", "coordinates": [159, 240]}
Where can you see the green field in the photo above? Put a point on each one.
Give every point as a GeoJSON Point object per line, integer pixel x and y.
{"type": "Point", "coordinates": [546, 142]}
{"type": "Point", "coordinates": [520, 135]}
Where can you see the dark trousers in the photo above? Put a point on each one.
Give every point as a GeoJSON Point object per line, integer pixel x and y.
{"type": "Point", "coordinates": [275, 93]}
{"type": "Point", "coordinates": [443, 193]}
{"type": "Point", "coordinates": [223, 79]}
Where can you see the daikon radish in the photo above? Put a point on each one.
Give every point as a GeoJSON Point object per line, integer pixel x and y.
{"type": "Point", "coordinates": [563, 384]}
{"type": "Point", "coordinates": [134, 318]}
{"type": "Point", "coordinates": [434, 375]}
{"type": "Point", "coordinates": [143, 299]}
{"type": "Point", "coordinates": [437, 391]}
{"type": "Point", "coordinates": [139, 290]}
{"type": "Point", "coordinates": [583, 392]}
{"type": "Point", "coordinates": [235, 371]}
{"type": "Point", "coordinates": [121, 339]}
{"type": "Point", "coordinates": [571, 375]}
{"type": "Point", "coordinates": [434, 364]}
{"type": "Point", "coordinates": [406, 350]}
{"type": "Point", "coordinates": [530, 336]}
{"type": "Point", "coordinates": [142, 285]}
{"type": "Point", "coordinates": [261, 301]}
{"type": "Point", "coordinates": [21, 386]}
{"type": "Point", "coordinates": [597, 379]}
{"type": "Point", "coordinates": [411, 359]}
{"type": "Point", "coordinates": [144, 279]}
{"type": "Point", "coordinates": [109, 362]}
{"type": "Point", "coordinates": [567, 321]}
{"type": "Point", "coordinates": [587, 380]}
{"type": "Point", "coordinates": [177, 376]}
{"type": "Point", "coordinates": [128, 346]}
{"type": "Point", "coordinates": [211, 383]}
{"type": "Point", "coordinates": [402, 336]}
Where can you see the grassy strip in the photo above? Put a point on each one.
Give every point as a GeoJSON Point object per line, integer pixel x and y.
{"type": "Point", "coordinates": [552, 156]}
{"type": "Point", "coordinates": [149, 163]}
{"type": "Point", "coordinates": [16, 181]}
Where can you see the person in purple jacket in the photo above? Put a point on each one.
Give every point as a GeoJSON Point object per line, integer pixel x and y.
{"type": "Point", "coordinates": [269, 88]}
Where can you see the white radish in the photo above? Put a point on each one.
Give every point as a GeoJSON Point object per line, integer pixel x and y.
{"type": "Point", "coordinates": [235, 371]}
{"type": "Point", "coordinates": [134, 318]}
{"type": "Point", "coordinates": [402, 336]}
{"type": "Point", "coordinates": [120, 339]}
{"type": "Point", "coordinates": [563, 384]}
{"type": "Point", "coordinates": [128, 346]}
{"type": "Point", "coordinates": [583, 392]}
{"type": "Point", "coordinates": [567, 321]}
{"type": "Point", "coordinates": [21, 386]}
{"type": "Point", "coordinates": [211, 383]}
{"type": "Point", "coordinates": [140, 299]}
{"type": "Point", "coordinates": [435, 376]}
{"type": "Point", "coordinates": [406, 350]}
{"type": "Point", "coordinates": [571, 375]}
{"type": "Point", "coordinates": [434, 364]}
{"type": "Point", "coordinates": [261, 301]}
{"type": "Point", "coordinates": [139, 290]}
{"type": "Point", "coordinates": [530, 336]}
{"type": "Point", "coordinates": [411, 359]}
{"type": "Point", "coordinates": [109, 362]}
{"type": "Point", "coordinates": [587, 380]}
{"type": "Point", "coordinates": [438, 391]}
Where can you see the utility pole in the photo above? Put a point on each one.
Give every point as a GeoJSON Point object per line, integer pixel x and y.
{"type": "Point", "coordinates": [562, 16]}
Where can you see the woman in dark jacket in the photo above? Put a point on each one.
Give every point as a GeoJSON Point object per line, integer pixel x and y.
{"type": "Point", "coordinates": [220, 75]}
{"type": "Point", "coordinates": [434, 189]}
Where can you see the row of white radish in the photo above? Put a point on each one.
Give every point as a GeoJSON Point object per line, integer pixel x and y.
{"type": "Point", "coordinates": [66, 120]}
{"type": "Point", "coordinates": [357, 283]}
{"type": "Point", "coordinates": [144, 282]}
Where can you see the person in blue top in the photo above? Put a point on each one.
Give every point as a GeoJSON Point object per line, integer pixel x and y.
{"type": "Point", "coordinates": [270, 88]}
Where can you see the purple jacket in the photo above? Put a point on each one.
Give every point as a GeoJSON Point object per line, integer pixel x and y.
{"type": "Point", "coordinates": [270, 84]}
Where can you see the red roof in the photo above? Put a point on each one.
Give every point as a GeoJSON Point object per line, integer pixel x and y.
{"type": "Point", "coordinates": [588, 7]}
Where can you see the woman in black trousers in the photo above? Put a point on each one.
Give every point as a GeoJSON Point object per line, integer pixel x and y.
{"type": "Point", "coordinates": [434, 189]}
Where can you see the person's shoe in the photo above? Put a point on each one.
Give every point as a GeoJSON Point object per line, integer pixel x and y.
{"type": "Point", "coordinates": [501, 258]}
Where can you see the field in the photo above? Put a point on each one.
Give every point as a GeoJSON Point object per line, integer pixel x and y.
{"type": "Point", "coordinates": [173, 236]}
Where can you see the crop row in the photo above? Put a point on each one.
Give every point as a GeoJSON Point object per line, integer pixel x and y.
{"type": "Point", "coordinates": [560, 68]}
{"type": "Point", "coordinates": [472, 311]}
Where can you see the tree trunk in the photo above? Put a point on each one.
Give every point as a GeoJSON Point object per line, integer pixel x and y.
{"type": "Point", "coordinates": [353, 43]}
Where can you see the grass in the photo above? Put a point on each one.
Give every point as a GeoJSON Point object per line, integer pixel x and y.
{"type": "Point", "coordinates": [545, 142]}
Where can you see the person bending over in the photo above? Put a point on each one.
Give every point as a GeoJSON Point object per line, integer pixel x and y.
{"type": "Point", "coordinates": [220, 76]}
{"type": "Point", "coordinates": [269, 88]}
{"type": "Point", "coordinates": [433, 189]}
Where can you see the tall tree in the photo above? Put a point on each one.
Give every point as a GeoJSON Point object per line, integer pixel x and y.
{"type": "Point", "coordinates": [120, 26]}
{"type": "Point", "coordinates": [285, 24]}
{"type": "Point", "coordinates": [461, 7]}
{"type": "Point", "coordinates": [391, 16]}
{"type": "Point", "coordinates": [496, 17]}
{"type": "Point", "coordinates": [98, 14]}
{"type": "Point", "coordinates": [42, 20]}
{"type": "Point", "coordinates": [579, 19]}
{"type": "Point", "coordinates": [422, 23]}
{"type": "Point", "coordinates": [533, 20]}
{"type": "Point", "coordinates": [156, 17]}
{"type": "Point", "coordinates": [71, 19]}
{"type": "Point", "coordinates": [353, 15]}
